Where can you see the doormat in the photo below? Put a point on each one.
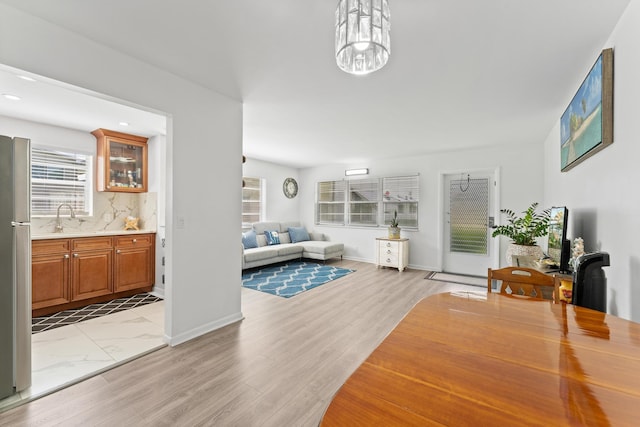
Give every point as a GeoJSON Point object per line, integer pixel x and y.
{"type": "Point", "coordinates": [460, 279]}
{"type": "Point", "coordinates": [69, 317]}
{"type": "Point", "coordinates": [287, 280]}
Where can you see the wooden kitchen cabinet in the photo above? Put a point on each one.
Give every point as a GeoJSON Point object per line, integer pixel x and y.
{"type": "Point", "coordinates": [134, 261]}
{"type": "Point", "coordinates": [72, 273]}
{"type": "Point", "coordinates": [91, 268]}
{"type": "Point", "coordinates": [121, 162]}
{"type": "Point", "coordinates": [50, 261]}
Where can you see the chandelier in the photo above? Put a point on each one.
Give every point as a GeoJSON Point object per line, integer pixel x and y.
{"type": "Point", "coordinates": [363, 42]}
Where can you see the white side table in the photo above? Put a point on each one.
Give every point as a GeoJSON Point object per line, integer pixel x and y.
{"type": "Point", "coordinates": [392, 253]}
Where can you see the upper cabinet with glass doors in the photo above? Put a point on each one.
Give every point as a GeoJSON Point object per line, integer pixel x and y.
{"type": "Point", "coordinates": [121, 162]}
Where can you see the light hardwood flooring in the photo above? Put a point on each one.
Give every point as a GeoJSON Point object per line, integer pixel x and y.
{"type": "Point", "coordinates": [280, 366]}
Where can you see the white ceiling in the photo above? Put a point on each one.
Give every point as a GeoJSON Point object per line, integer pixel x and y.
{"type": "Point", "coordinates": [463, 73]}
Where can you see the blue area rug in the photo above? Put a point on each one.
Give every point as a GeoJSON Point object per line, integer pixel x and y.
{"type": "Point", "coordinates": [287, 280]}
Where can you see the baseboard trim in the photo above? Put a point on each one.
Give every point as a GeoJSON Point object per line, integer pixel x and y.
{"type": "Point", "coordinates": [204, 329]}
{"type": "Point", "coordinates": [368, 261]}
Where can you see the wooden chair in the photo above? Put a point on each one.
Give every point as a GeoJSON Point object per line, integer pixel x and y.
{"type": "Point", "coordinates": [525, 282]}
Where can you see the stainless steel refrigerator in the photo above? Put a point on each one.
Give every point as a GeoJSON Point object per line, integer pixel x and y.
{"type": "Point", "coordinates": [15, 265]}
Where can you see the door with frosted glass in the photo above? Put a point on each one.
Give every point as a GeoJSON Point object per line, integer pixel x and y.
{"type": "Point", "coordinates": [468, 214]}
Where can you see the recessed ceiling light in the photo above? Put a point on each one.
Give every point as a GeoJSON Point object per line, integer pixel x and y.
{"type": "Point", "coordinates": [11, 97]}
{"type": "Point", "coordinates": [124, 124]}
{"type": "Point", "coordinates": [27, 78]}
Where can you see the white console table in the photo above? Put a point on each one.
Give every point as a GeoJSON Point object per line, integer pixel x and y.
{"type": "Point", "coordinates": [392, 253]}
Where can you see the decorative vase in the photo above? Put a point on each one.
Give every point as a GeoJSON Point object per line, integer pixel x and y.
{"type": "Point", "coordinates": [513, 249]}
{"type": "Point", "coordinates": [394, 232]}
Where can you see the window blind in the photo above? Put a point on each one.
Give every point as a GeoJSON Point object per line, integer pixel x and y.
{"type": "Point", "coordinates": [330, 205]}
{"type": "Point", "coordinates": [369, 202]}
{"type": "Point", "coordinates": [364, 197]}
{"type": "Point", "coordinates": [401, 194]}
{"type": "Point", "coordinates": [60, 177]}
{"type": "Point", "coordinates": [252, 201]}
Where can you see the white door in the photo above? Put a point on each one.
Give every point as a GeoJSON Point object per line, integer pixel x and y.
{"type": "Point", "coordinates": [468, 217]}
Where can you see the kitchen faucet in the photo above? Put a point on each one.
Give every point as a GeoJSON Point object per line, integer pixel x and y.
{"type": "Point", "coordinates": [58, 221]}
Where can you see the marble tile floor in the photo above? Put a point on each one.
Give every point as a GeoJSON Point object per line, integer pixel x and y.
{"type": "Point", "coordinates": [72, 353]}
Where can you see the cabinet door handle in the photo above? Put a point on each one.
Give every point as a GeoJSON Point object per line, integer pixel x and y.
{"type": "Point", "coordinates": [134, 240]}
{"type": "Point", "coordinates": [75, 255]}
{"type": "Point", "coordinates": [66, 256]}
{"type": "Point", "coordinates": [388, 245]}
{"type": "Point", "coordinates": [388, 259]}
{"type": "Point", "coordinates": [388, 251]}
{"type": "Point", "coordinates": [118, 251]}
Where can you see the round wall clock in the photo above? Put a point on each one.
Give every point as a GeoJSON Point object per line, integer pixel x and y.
{"type": "Point", "coordinates": [290, 188]}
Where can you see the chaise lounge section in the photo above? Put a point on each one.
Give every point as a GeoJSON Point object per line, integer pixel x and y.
{"type": "Point", "coordinates": [287, 241]}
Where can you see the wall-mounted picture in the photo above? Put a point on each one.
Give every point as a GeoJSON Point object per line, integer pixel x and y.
{"type": "Point", "coordinates": [586, 126]}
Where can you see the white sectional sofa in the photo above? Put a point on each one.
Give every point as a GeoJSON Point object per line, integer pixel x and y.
{"type": "Point", "coordinates": [304, 244]}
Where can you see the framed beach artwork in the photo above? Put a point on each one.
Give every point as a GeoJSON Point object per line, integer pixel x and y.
{"type": "Point", "coordinates": [586, 126]}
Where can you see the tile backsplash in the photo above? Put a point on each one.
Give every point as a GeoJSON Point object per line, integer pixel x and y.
{"type": "Point", "coordinates": [109, 213]}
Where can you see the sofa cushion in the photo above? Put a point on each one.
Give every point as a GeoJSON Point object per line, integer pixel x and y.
{"type": "Point", "coordinates": [272, 237]}
{"type": "Point", "coordinates": [298, 234]}
{"type": "Point", "coordinates": [284, 237]}
{"type": "Point", "coordinates": [249, 240]}
{"type": "Point", "coordinates": [258, 254]}
{"type": "Point", "coordinates": [289, 249]}
{"type": "Point", "coordinates": [261, 239]}
{"type": "Point", "coordinates": [322, 247]}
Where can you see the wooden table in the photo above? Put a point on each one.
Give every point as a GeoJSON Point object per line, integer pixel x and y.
{"type": "Point", "coordinates": [475, 359]}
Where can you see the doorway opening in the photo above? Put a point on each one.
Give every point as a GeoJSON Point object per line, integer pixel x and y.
{"type": "Point", "coordinates": [71, 113]}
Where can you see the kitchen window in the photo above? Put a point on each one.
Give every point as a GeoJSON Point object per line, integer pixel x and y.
{"type": "Point", "coordinates": [59, 177]}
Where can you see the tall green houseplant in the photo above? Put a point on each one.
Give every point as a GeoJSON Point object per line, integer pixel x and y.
{"type": "Point", "coordinates": [523, 230]}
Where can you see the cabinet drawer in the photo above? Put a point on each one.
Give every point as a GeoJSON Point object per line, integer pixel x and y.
{"type": "Point", "coordinates": [389, 260]}
{"type": "Point", "coordinates": [389, 245]}
{"type": "Point", "coordinates": [91, 243]}
{"type": "Point", "coordinates": [52, 246]}
{"type": "Point", "coordinates": [134, 241]}
{"type": "Point", "coordinates": [386, 251]}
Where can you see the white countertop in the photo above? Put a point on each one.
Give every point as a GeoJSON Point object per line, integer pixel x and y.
{"type": "Point", "coordinates": [71, 234]}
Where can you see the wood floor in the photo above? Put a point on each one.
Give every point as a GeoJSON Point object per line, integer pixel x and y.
{"type": "Point", "coordinates": [280, 366]}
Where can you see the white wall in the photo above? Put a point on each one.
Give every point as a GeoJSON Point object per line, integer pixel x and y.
{"type": "Point", "coordinates": [204, 145]}
{"type": "Point", "coordinates": [600, 193]}
{"type": "Point", "coordinates": [519, 165]}
{"type": "Point", "coordinates": [278, 206]}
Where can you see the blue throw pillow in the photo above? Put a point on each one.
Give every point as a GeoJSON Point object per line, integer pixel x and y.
{"type": "Point", "coordinates": [249, 239]}
{"type": "Point", "coordinates": [272, 237]}
{"type": "Point", "coordinates": [298, 234]}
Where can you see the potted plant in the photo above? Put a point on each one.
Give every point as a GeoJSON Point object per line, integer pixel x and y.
{"type": "Point", "coordinates": [523, 231]}
{"type": "Point", "coordinates": [394, 230]}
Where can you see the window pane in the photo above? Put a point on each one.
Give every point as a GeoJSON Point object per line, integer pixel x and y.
{"type": "Point", "coordinates": [364, 197]}
{"type": "Point", "coordinates": [330, 213]}
{"type": "Point", "coordinates": [363, 213]}
{"type": "Point", "coordinates": [401, 194]}
{"type": "Point", "coordinates": [59, 177]}
{"type": "Point", "coordinates": [400, 188]}
{"type": "Point", "coordinates": [330, 206]}
{"type": "Point", "coordinates": [407, 213]}
{"type": "Point", "coordinates": [331, 191]}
